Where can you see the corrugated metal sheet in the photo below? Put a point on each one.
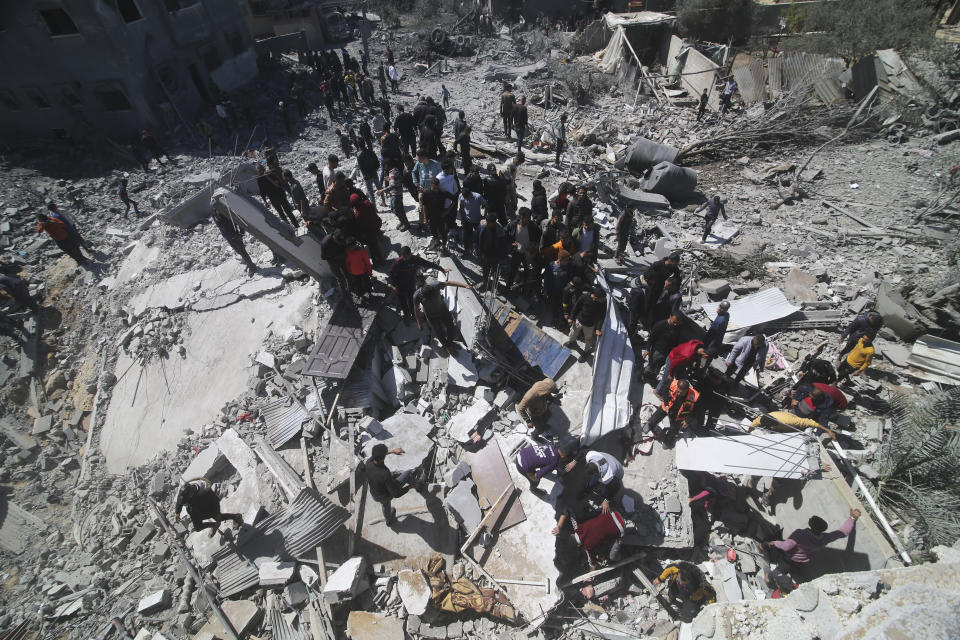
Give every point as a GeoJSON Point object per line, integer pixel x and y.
{"type": "Point", "coordinates": [775, 76]}
{"type": "Point", "coordinates": [802, 70]}
{"type": "Point", "coordinates": [295, 532]}
{"type": "Point", "coordinates": [608, 407]}
{"type": "Point", "coordinates": [537, 348]}
{"type": "Point", "coordinates": [757, 308]}
{"type": "Point", "coordinates": [357, 390]}
{"type": "Point", "coordinates": [337, 348]}
{"type": "Point", "coordinates": [17, 527]}
{"type": "Point", "coordinates": [829, 89]}
{"type": "Point", "coordinates": [751, 81]}
{"type": "Point", "coordinates": [284, 419]}
{"type": "Point", "coordinates": [938, 356]}
{"type": "Point", "coordinates": [279, 627]}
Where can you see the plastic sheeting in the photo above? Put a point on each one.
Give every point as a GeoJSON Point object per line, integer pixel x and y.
{"type": "Point", "coordinates": [643, 154]}
{"type": "Point", "coordinates": [676, 183]}
{"type": "Point", "coordinates": [614, 20]}
{"type": "Point", "coordinates": [610, 57]}
{"type": "Point", "coordinates": [608, 408]}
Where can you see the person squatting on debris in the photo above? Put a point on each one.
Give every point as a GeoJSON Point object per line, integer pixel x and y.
{"type": "Point", "coordinates": [865, 324]}
{"type": "Point", "coordinates": [203, 506]}
{"type": "Point", "coordinates": [678, 406]}
{"type": "Point", "coordinates": [536, 461]}
{"type": "Point", "coordinates": [533, 406]}
{"type": "Point", "coordinates": [429, 305]}
{"type": "Point", "coordinates": [385, 485]}
{"type": "Point", "coordinates": [857, 360]}
{"type": "Point", "coordinates": [685, 583]}
{"type": "Point", "coordinates": [715, 208]}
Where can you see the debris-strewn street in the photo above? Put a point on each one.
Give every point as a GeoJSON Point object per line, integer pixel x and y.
{"type": "Point", "coordinates": [461, 325]}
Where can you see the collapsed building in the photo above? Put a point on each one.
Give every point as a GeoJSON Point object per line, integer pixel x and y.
{"type": "Point", "coordinates": [168, 364]}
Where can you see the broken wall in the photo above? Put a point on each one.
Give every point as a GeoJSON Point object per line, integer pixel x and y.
{"type": "Point", "coordinates": [698, 72]}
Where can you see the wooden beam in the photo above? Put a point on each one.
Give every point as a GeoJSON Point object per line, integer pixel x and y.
{"type": "Point", "coordinates": [599, 572]}
{"type": "Point", "coordinates": [307, 473]}
{"type": "Point", "coordinates": [508, 490]}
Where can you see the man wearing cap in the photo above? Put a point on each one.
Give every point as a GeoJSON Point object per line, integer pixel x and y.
{"type": "Point", "coordinates": [385, 485]}
{"type": "Point", "coordinates": [587, 316]}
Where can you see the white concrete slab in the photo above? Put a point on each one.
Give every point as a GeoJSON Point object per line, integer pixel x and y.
{"type": "Point", "coordinates": [153, 406]}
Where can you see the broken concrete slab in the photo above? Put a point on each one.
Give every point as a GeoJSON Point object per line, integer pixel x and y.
{"type": "Point", "coordinates": [207, 464]}
{"type": "Point", "coordinates": [407, 431]}
{"type": "Point", "coordinates": [364, 625]}
{"type": "Point", "coordinates": [345, 582]}
{"type": "Point", "coordinates": [244, 616]}
{"type": "Point", "coordinates": [276, 573]}
{"type": "Point", "coordinates": [474, 419]}
{"type": "Point", "coordinates": [154, 602]}
{"type": "Point", "coordinates": [799, 286]}
{"type": "Point", "coordinates": [900, 316]}
{"type": "Point", "coordinates": [716, 289]}
{"type": "Point", "coordinates": [463, 503]}
{"type": "Point", "coordinates": [461, 370]}
{"type": "Point", "coordinates": [414, 591]}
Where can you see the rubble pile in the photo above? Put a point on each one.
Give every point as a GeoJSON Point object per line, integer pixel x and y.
{"type": "Point", "coordinates": [160, 365]}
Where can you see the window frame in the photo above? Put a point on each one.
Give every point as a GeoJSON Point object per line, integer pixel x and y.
{"type": "Point", "coordinates": [43, 11]}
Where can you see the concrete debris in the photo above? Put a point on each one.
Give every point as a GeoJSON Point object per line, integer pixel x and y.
{"type": "Point", "coordinates": [346, 582]}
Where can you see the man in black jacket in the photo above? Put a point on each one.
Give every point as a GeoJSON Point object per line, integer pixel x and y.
{"type": "Point", "coordinates": [664, 336]}
{"type": "Point", "coordinates": [520, 121]}
{"type": "Point", "coordinates": [403, 278]}
{"type": "Point", "coordinates": [580, 208]}
{"type": "Point", "coordinates": [333, 249]}
{"type": "Point", "coordinates": [495, 191]}
{"type": "Point", "coordinates": [406, 126]}
{"type": "Point", "coordinates": [524, 248]}
{"type": "Point", "coordinates": [271, 187]}
{"type": "Point", "coordinates": [587, 317]}
{"type": "Point", "coordinates": [657, 273]}
{"type": "Point", "coordinates": [384, 484]}
{"type": "Point", "coordinates": [369, 165]}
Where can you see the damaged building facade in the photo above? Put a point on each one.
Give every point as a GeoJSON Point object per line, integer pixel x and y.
{"type": "Point", "coordinates": [322, 23]}
{"type": "Point", "coordinates": [80, 69]}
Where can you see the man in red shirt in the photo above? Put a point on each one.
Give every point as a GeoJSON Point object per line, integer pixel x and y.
{"type": "Point", "coordinates": [679, 360]}
{"type": "Point", "coordinates": [58, 231]}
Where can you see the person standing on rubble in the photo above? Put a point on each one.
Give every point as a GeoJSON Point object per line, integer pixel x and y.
{"type": "Point", "coordinates": [857, 360]}
{"type": "Point", "coordinates": [272, 189]}
{"type": "Point", "coordinates": [59, 233]}
{"type": "Point", "coordinates": [623, 227]}
{"type": "Point", "coordinates": [368, 224]}
{"type": "Point", "coordinates": [232, 233]}
{"type": "Point", "coordinates": [406, 125]}
{"type": "Point", "coordinates": [524, 249]}
{"type": "Point", "coordinates": [203, 506]}
{"type": "Point", "coordinates": [472, 208]}
{"type": "Point", "coordinates": [369, 166]}
{"type": "Point", "coordinates": [125, 199]}
{"type": "Point", "coordinates": [713, 339]}
{"type": "Point", "coordinates": [714, 209]}
{"type": "Point", "coordinates": [520, 121]}
{"type": "Point", "coordinates": [568, 297]}
{"type": "Point", "coordinates": [865, 324]}
{"type": "Point", "coordinates": [394, 77]}
{"type": "Point", "coordinates": [586, 318]}
{"type": "Point", "coordinates": [669, 301]}
{"type": "Point", "coordinates": [749, 352]}
{"type": "Point", "coordinates": [556, 277]}
{"type": "Point", "coordinates": [463, 142]}
{"type": "Point", "coordinates": [333, 249]}
{"type": "Point", "coordinates": [54, 212]}
{"type": "Point", "coordinates": [435, 210]}
{"type": "Point", "coordinates": [509, 172]}
{"type": "Point", "coordinates": [495, 191]}
{"type": "Point", "coordinates": [560, 133]}
{"type": "Point", "coordinates": [296, 192]}
{"type": "Point", "coordinates": [445, 96]}
{"type": "Point", "coordinates": [359, 268]}
{"type": "Point", "coordinates": [507, 103]}
{"type": "Point", "coordinates": [385, 485]}
{"type": "Point", "coordinates": [429, 306]}
{"type": "Point", "coordinates": [533, 408]}
{"type": "Point", "coordinates": [579, 208]}
{"type": "Point", "coordinates": [337, 196]}
{"type": "Point", "coordinates": [704, 98]}
{"type": "Point", "coordinates": [424, 171]}
{"type": "Point", "coordinates": [394, 188]}
{"type": "Point", "coordinates": [728, 90]}
{"type": "Point", "coordinates": [657, 273]}
{"type": "Point", "coordinates": [493, 248]}
{"type": "Point", "coordinates": [403, 278]}
{"type": "Point", "coordinates": [664, 336]}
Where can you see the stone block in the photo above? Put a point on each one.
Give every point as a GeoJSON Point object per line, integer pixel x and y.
{"type": "Point", "coordinates": [207, 464]}
{"type": "Point", "coordinates": [414, 591]}
{"type": "Point", "coordinates": [296, 594]}
{"type": "Point", "coordinates": [484, 393]}
{"type": "Point", "coordinates": [364, 625]}
{"type": "Point", "coordinates": [344, 583]}
{"type": "Point", "coordinates": [42, 425]}
{"type": "Point", "coordinates": [370, 425]}
{"type": "Point", "coordinates": [715, 288]}
{"type": "Point", "coordinates": [143, 534]}
{"type": "Point", "coordinates": [154, 602]}
{"type": "Point", "coordinates": [473, 419]}
{"type": "Point", "coordinates": [458, 473]}
{"type": "Point", "coordinates": [276, 573]}
{"type": "Point", "coordinates": [244, 616]}
{"type": "Point", "coordinates": [504, 398]}
{"type": "Point", "coordinates": [463, 503]}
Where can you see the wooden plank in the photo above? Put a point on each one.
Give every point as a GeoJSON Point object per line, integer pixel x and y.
{"type": "Point", "coordinates": [599, 572]}
{"type": "Point", "coordinates": [307, 473]}
{"type": "Point", "coordinates": [338, 346]}
{"type": "Point", "coordinates": [509, 490]}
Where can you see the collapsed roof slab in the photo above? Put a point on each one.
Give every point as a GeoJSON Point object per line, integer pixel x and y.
{"type": "Point", "coordinates": [281, 238]}
{"type": "Point", "coordinates": [196, 208]}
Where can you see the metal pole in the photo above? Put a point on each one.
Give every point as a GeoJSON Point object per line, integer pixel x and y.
{"type": "Point", "coordinates": [217, 611]}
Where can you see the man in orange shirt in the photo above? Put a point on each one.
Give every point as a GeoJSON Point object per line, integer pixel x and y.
{"type": "Point", "coordinates": [58, 231]}
{"type": "Point", "coordinates": [678, 406]}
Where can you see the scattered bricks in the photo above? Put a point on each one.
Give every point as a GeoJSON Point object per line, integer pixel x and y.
{"type": "Point", "coordinates": [154, 603]}
{"type": "Point", "coordinates": [276, 573]}
{"type": "Point", "coordinates": [344, 583]}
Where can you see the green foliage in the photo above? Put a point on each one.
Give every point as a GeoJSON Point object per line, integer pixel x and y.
{"type": "Point", "coordinates": [715, 20]}
{"type": "Point", "coordinates": [919, 464]}
{"type": "Point", "coordinates": [796, 17]}
{"type": "Point", "coordinates": [389, 15]}
{"type": "Point", "coordinates": [852, 29]}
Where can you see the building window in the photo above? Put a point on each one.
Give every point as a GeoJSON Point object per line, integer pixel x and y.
{"type": "Point", "coordinates": [37, 98]}
{"type": "Point", "coordinates": [59, 22]}
{"type": "Point", "coordinates": [211, 59]}
{"type": "Point", "coordinates": [71, 97]}
{"type": "Point", "coordinates": [237, 45]}
{"type": "Point", "coordinates": [113, 99]}
{"type": "Point", "coordinates": [8, 100]}
{"type": "Point", "coordinates": [129, 11]}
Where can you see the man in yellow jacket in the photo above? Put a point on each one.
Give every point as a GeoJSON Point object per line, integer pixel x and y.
{"type": "Point", "coordinates": [857, 360]}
